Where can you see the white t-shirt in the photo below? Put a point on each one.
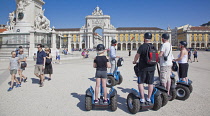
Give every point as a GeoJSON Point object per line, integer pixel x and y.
{"type": "Point", "coordinates": [165, 49]}
{"type": "Point", "coordinates": [57, 52]}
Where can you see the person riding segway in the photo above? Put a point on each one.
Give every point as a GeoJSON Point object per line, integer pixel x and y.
{"type": "Point", "coordinates": [101, 64]}
{"type": "Point", "coordinates": [148, 58]}
{"type": "Point", "coordinates": [114, 77]}
{"type": "Point", "coordinates": [184, 85]}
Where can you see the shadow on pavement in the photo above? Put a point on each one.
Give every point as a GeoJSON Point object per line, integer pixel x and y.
{"type": "Point", "coordinates": [122, 104]}
{"type": "Point", "coordinates": [35, 80]}
{"type": "Point", "coordinates": [127, 90]}
{"type": "Point", "coordinates": [92, 79]}
{"type": "Point", "coordinates": [81, 98]}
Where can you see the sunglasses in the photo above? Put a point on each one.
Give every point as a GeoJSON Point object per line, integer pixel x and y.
{"type": "Point", "coordinates": [20, 51]}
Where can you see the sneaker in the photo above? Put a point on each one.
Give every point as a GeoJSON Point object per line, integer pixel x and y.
{"type": "Point", "coordinates": [18, 85]}
{"type": "Point", "coordinates": [10, 89]}
{"type": "Point", "coordinates": [105, 101]}
{"type": "Point", "coordinates": [95, 101]}
{"type": "Point", "coordinates": [25, 80]}
{"type": "Point", "coordinates": [41, 85]}
{"type": "Point", "coordinates": [148, 102]}
{"type": "Point", "coordinates": [49, 79]}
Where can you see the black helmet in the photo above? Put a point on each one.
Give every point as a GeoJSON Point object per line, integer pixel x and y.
{"type": "Point", "coordinates": [114, 41]}
{"type": "Point", "coordinates": [165, 36]}
{"type": "Point", "coordinates": [184, 43]}
{"type": "Point", "coordinates": [100, 47]}
{"type": "Point", "coordinates": [148, 35]}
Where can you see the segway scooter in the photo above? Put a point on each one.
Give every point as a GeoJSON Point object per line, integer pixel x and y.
{"type": "Point", "coordinates": [134, 105]}
{"type": "Point", "coordinates": [183, 89]}
{"type": "Point", "coordinates": [115, 78]}
{"type": "Point", "coordinates": [112, 99]}
{"type": "Point", "coordinates": [164, 91]}
{"type": "Point", "coordinates": [133, 98]}
{"type": "Point", "coordinates": [172, 88]}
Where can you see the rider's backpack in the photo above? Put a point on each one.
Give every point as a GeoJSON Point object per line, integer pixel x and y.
{"type": "Point", "coordinates": [152, 57]}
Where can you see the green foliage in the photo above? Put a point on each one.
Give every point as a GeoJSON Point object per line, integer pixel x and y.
{"type": "Point", "coordinates": [206, 24]}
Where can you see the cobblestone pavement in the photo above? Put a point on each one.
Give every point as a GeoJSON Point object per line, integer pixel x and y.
{"type": "Point", "coordinates": [65, 93]}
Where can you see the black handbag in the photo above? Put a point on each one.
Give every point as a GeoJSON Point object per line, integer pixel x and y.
{"type": "Point", "coordinates": [174, 66]}
{"type": "Point", "coordinates": [166, 57]}
{"type": "Point", "coordinates": [23, 64]}
{"type": "Point", "coordinates": [48, 61]}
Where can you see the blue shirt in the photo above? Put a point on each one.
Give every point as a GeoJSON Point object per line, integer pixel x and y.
{"type": "Point", "coordinates": [40, 57]}
{"type": "Point", "coordinates": [112, 53]}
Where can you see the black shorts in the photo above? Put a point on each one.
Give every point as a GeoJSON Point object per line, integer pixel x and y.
{"type": "Point", "coordinates": [146, 77]}
{"type": "Point", "coordinates": [183, 70]}
{"type": "Point", "coordinates": [101, 74]}
{"type": "Point", "coordinates": [195, 56]}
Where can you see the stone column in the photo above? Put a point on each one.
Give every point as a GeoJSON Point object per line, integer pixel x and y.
{"type": "Point", "coordinates": [60, 41]}
{"type": "Point", "coordinates": [107, 43]}
{"type": "Point", "coordinates": [32, 49]}
{"type": "Point", "coordinates": [131, 46]}
{"type": "Point", "coordinates": [53, 44]}
{"type": "Point", "coordinates": [69, 44]}
{"type": "Point", "coordinates": [80, 41]}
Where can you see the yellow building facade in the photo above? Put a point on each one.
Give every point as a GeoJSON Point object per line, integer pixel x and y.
{"type": "Point", "coordinates": [196, 37]}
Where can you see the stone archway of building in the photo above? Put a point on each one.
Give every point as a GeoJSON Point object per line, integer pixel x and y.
{"type": "Point", "coordinates": [159, 45]}
{"type": "Point", "coordinates": [72, 45]}
{"type": "Point", "coordinates": [124, 46]}
{"type": "Point", "coordinates": [155, 45]}
{"type": "Point", "coordinates": [118, 46]}
{"type": "Point", "coordinates": [208, 45]}
{"type": "Point", "coordinates": [129, 46]}
{"type": "Point", "coordinates": [139, 44]}
{"type": "Point", "coordinates": [97, 36]}
{"type": "Point", "coordinates": [197, 45]}
{"type": "Point", "coordinates": [202, 45]}
{"type": "Point", "coordinates": [77, 46]}
{"type": "Point", "coordinates": [134, 46]}
{"type": "Point", "coordinates": [83, 46]}
{"type": "Point", "coordinates": [192, 45]}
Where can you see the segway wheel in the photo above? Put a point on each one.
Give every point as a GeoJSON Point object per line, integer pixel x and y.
{"type": "Point", "coordinates": [133, 103]}
{"type": "Point", "coordinates": [164, 97]}
{"type": "Point", "coordinates": [190, 88]}
{"type": "Point", "coordinates": [182, 92]}
{"type": "Point", "coordinates": [120, 80]}
{"type": "Point", "coordinates": [173, 94]}
{"type": "Point", "coordinates": [114, 103]}
{"type": "Point", "coordinates": [110, 81]}
{"type": "Point", "coordinates": [88, 103]}
{"type": "Point", "coordinates": [158, 103]}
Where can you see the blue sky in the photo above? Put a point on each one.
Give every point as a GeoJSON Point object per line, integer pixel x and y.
{"type": "Point", "coordinates": [124, 13]}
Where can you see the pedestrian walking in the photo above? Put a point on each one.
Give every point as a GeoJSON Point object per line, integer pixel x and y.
{"type": "Point", "coordinates": [195, 53]}
{"type": "Point", "coordinates": [129, 53]}
{"type": "Point", "coordinates": [40, 64]}
{"type": "Point", "coordinates": [22, 61]}
{"type": "Point", "coordinates": [58, 58]}
{"type": "Point", "coordinates": [13, 67]}
{"type": "Point", "coordinates": [189, 56]}
{"type": "Point", "coordinates": [48, 64]}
